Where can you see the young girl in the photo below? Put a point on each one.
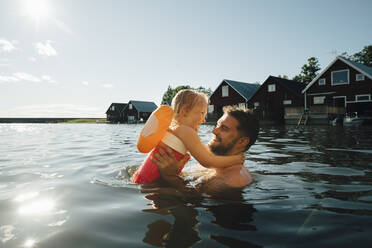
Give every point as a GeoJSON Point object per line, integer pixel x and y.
{"type": "Point", "coordinates": [190, 109]}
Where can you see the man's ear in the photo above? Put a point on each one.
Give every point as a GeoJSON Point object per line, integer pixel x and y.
{"type": "Point", "coordinates": [244, 141]}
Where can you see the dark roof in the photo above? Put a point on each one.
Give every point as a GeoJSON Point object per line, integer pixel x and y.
{"type": "Point", "coordinates": [366, 70]}
{"type": "Point", "coordinates": [143, 106]}
{"type": "Point", "coordinates": [293, 86]}
{"type": "Point", "coordinates": [246, 90]}
{"type": "Point", "coordinates": [118, 106]}
{"type": "Point", "coordinates": [361, 67]}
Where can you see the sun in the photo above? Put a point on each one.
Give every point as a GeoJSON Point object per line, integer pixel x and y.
{"type": "Point", "coordinates": [38, 10]}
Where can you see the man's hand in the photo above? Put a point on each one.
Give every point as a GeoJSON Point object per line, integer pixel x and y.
{"type": "Point", "coordinates": [167, 162]}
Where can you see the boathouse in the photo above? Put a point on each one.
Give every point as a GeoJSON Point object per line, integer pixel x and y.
{"type": "Point", "coordinates": [113, 113]}
{"type": "Point", "coordinates": [343, 86]}
{"type": "Point", "coordinates": [276, 97]}
{"type": "Point", "coordinates": [229, 92]}
{"type": "Point", "coordinates": [138, 111]}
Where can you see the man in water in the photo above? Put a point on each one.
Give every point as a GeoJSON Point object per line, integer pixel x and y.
{"type": "Point", "coordinates": [235, 132]}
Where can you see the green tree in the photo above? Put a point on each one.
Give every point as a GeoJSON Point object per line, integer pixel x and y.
{"type": "Point", "coordinates": [308, 71]}
{"type": "Point", "coordinates": [170, 93]}
{"type": "Point", "coordinates": [283, 76]}
{"type": "Point", "coordinates": [364, 57]}
{"type": "Point", "coordinates": [206, 91]}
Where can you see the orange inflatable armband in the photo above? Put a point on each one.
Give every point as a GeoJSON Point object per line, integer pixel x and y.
{"type": "Point", "coordinates": [155, 128]}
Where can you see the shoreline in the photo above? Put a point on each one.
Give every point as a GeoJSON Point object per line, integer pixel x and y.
{"type": "Point", "coordinates": [52, 120]}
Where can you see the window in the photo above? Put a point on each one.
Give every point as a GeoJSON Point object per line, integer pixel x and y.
{"type": "Point", "coordinates": [363, 98]}
{"type": "Point", "coordinates": [242, 105]}
{"type": "Point", "coordinates": [340, 77]}
{"type": "Point", "coordinates": [319, 99]}
{"type": "Point", "coordinates": [256, 104]}
{"type": "Point", "coordinates": [225, 90]}
{"type": "Point", "coordinates": [271, 88]}
{"type": "Point", "coordinates": [113, 108]}
{"type": "Point", "coordinates": [322, 81]}
{"type": "Point", "coordinates": [210, 108]}
{"type": "Point", "coordinates": [130, 106]}
{"type": "Point", "coordinates": [359, 77]}
{"type": "Point", "coordinates": [287, 102]}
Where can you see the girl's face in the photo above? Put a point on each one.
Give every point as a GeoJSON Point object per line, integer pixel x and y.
{"type": "Point", "coordinates": [196, 116]}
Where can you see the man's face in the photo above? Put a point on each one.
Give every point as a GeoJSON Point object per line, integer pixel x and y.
{"type": "Point", "coordinates": [226, 135]}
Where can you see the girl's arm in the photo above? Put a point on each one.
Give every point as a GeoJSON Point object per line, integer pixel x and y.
{"type": "Point", "coordinates": [201, 152]}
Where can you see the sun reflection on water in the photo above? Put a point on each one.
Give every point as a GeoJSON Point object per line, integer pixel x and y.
{"type": "Point", "coordinates": [38, 207]}
{"type": "Point", "coordinates": [29, 243]}
{"type": "Point", "coordinates": [26, 196]}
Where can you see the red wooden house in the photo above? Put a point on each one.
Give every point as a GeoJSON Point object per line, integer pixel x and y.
{"type": "Point", "coordinates": [343, 86]}
{"type": "Point", "coordinates": [229, 92]}
{"type": "Point", "coordinates": [274, 96]}
{"type": "Point", "coordinates": [138, 111]}
{"type": "Point", "coordinates": [113, 113]}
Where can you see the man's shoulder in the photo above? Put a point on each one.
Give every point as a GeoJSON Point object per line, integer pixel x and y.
{"type": "Point", "coordinates": [237, 176]}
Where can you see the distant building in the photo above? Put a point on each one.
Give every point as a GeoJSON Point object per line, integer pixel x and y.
{"type": "Point", "coordinates": [113, 113]}
{"type": "Point", "coordinates": [343, 86]}
{"type": "Point", "coordinates": [229, 92]}
{"type": "Point", "coordinates": [274, 96]}
{"type": "Point", "coordinates": [138, 111]}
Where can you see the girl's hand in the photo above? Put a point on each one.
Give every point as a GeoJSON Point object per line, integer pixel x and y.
{"type": "Point", "coordinates": [242, 158]}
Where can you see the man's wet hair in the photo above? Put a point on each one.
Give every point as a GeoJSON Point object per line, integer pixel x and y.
{"type": "Point", "coordinates": [248, 123]}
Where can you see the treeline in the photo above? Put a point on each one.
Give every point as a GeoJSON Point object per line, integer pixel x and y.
{"type": "Point", "coordinates": [310, 70]}
{"type": "Point", "coordinates": [171, 92]}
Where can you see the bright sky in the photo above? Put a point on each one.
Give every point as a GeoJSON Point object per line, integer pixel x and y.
{"type": "Point", "coordinates": [73, 58]}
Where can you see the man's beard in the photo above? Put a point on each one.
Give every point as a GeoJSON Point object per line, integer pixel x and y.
{"type": "Point", "coordinates": [221, 149]}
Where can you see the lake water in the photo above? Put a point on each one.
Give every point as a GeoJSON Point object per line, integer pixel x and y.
{"type": "Point", "coordinates": [59, 187]}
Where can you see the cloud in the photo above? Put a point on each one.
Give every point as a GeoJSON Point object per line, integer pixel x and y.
{"type": "Point", "coordinates": [85, 83]}
{"type": "Point", "coordinates": [45, 49]}
{"type": "Point", "coordinates": [22, 76]}
{"type": "Point", "coordinates": [26, 77]}
{"type": "Point", "coordinates": [8, 79]}
{"type": "Point", "coordinates": [48, 79]}
{"type": "Point", "coordinates": [54, 110]}
{"type": "Point", "coordinates": [33, 59]}
{"type": "Point", "coordinates": [107, 85]}
{"type": "Point", "coordinates": [7, 46]}
{"type": "Point", "coordinates": [5, 62]}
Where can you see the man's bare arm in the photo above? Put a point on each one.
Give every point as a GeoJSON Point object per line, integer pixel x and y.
{"type": "Point", "coordinates": [169, 166]}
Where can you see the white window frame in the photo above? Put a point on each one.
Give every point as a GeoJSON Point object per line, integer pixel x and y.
{"type": "Point", "coordinates": [361, 77]}
{"type": "Point", "coordinates": [348, 77]}
{"type": "Point", "coordinates": [225, 90]}
{"type": "Point", "coordinates": [210, 108]}
{"type": "Point", "coordinates": [319, 99]}
{"type": "Point", "coordinates": [322, 81]}
{"type": "Point", "coordinates": [271, 88]}
{"type": "Point", "coordinates": [344, 97]}
{"type": "Point", "coordinates": [369, 98]}
{"type": "Point", "coordinates": [241, 105]}
{"type": "Point", "coordinates": [113, 108]}
{"type": "Point", "coordinates": [287, 102]}
{"type": "Point", "coordinates": [130, 106]}
{"type": "Point", "coordinates": [256, 104]}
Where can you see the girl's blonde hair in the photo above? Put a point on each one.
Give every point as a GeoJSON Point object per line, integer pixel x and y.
{"type": "Point", "coordinates": [187, 99]}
